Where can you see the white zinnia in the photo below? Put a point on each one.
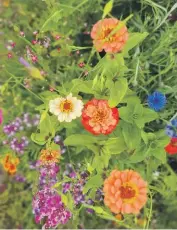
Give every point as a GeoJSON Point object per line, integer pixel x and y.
{"type": "Point", "coordinates": [66, 109]}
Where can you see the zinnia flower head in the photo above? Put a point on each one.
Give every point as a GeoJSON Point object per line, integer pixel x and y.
{"type": "Point", "coordinates": [157, 101]}
{"type": "Point", "coordinates": [99, 118]}
{"type": "Point", "coordinates": [171, 129]}
{"type": "Point", "coordinates": [49, 156]}
{"type": "Point", "coordinates": [10, 164]}
{"type": "Point", "coordinates": [102, 39]}
{"type": "Point", "coordinates": [171, 148]}
{"type": "Point", "coordinates": [1, 117]}
{"type": "Point", "coordinates": [125, 192]}
{"type": "Point", "coordinates": [66, 109]}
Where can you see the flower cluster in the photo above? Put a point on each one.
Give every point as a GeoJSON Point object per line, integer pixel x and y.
{"type": "Point", "coordinates": [10, 163]}
{"type": "Point", "coordinates": [47, 203]}
{"type": "Point", "coordinates": [20, 124]}
{"type": "Point", "coordinates": [30, 55]}
{"type": "Point", "coordinates": [76, 186]}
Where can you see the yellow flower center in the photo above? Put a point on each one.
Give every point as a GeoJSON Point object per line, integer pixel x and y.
{"type": "Point", "coordinates": [66, 106]}
{"type": "Point", "coordinates": [128, 192]}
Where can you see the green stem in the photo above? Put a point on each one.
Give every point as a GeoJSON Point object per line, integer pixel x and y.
{"type": "Point", "coordinates": [150, 212]}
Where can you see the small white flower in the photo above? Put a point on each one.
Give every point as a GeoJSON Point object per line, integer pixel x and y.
{"type": "Point", "coordinates": [156, 175]}
{"type": "Point", "coordinates": [66, 109]}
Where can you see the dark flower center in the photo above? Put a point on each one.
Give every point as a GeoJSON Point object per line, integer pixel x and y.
{"type": "Point", "coordinates": [127, 192]}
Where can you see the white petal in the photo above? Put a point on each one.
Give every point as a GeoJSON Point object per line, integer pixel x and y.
{"type": "Point", "coordinates": [68, 118]}
{"type": "Point", "coordinates": [62, 117]}
{"type": "Point", "coordinates": [69, 97]}
{"type": "Point", "coordinates": [54, 106]}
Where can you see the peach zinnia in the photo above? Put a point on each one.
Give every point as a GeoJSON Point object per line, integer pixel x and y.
{"type": "Point", "coordinates": [99, 118]}
{"type": "Point", "coordinates": [103, 39]}
{"type": "Point", "coordinates": [48, 156]}
{"type": "Point", "coordinates": [125, 192]}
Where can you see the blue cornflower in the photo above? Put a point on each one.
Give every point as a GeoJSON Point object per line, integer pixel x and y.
{"type": "Point", "coordinates": [157, 101]}
{"type": "Point", "coordinates": [171, 129]}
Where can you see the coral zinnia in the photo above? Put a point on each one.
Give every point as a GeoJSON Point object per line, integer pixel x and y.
{"type": "Point", "coordinates": [171, 148]}
{"type": "Point", "coordinates": [66, 109]}
{"type": "Point", "coordinates": [48, 156]}
{"type": "Point", "coordinates": [125, 192]}
{"type": "Point", "coordinates": [99, 118]}
{"type": "Point", "coordinates": [103, 39]}
{"type": "Point", "coordinates": [10, 164]}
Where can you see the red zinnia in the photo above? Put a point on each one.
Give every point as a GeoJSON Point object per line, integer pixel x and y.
{"type": "Point", "coordinates": [99, 118]}
{"type": "Point", "coordinates": [171, 148]}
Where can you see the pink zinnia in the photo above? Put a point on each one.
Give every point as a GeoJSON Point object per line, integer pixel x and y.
{"type": "Point", "coordinates": [102, 39]}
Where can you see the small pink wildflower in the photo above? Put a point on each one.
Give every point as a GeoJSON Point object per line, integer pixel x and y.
{"type": "Point", "coordinates": [9, 55]}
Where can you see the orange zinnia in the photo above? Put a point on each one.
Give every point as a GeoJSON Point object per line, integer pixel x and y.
{"type": "Point", "coordinates": [48, 156]}
{"type": "Point", "coordinates": [103, 39]}
{"type": "Point", "coordinates": [10, 164]}
{"type": "Point", "coordinates": [125, 192]}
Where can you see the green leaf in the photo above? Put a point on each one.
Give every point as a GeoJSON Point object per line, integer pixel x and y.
{"type": "Point", "coordinates": [126, 114]}
{"type": "Point", "coordinates": [139, 154]}
{"type": "Point", "coordinates": [160, 154]}
{"type": "Point", "coordinates": [38, 138]}
{"type": "Point", "coordinates": [94, 182]}
{"type": "Point", "coordinates": [80, 139]}
{"type": "Point", "coordinates": [171, 182]}
{"type": "Point", "coordinates": [116, 145]}
{"type": "Point", "coordinates": [101, 160]}
{"type": "Point", "coordinates": [82, 86]}
{"type": "Point", "coordinates": [132, 135]}
{"type": "Point", "coordinates": [117, 92]}
{"type": "Point", "coordinates": [149, 115]}
{"type": "Point", "coordinates": [107, 8]}
{"type": "Point", "coordinates": [131, 97]}
{"type": "Point", "coordinates": [133, 40]}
